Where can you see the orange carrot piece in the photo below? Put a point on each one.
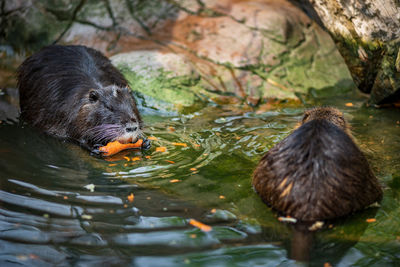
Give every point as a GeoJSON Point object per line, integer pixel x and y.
{"type": "Point", "coordinates": [170, 161]}
{"type": "Point", "coordinates": [161, 149]}
{"type": "Point", "coordinates": [371, 220]}
{"type": "Point", "coordinates": [113, 148]}
{"type": "Point", "coordinates": [180, 144]}
{"type": "Point", "coordinates": [349, 104]}
{"type": "Point", "coordinates": [201, 226]}
{"type": "Point", "coordinates": [174, 181]}
{"type": "Point", "coordinates": [131, 197]}
{"type": "Point", "coordinates": [152, 138]}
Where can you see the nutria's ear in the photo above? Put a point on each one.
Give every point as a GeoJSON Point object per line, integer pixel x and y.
{"type": "Point", "coordinates": [305, 116]}
{"type": "Point", "coordinates": [93, 96]}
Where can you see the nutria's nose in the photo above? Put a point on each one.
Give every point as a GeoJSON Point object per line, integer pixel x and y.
{"type": "Point", "coordinates": [131, 129]}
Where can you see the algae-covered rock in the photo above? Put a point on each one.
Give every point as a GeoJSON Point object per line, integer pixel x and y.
{"type": "Point", "coordinates": [178, 54]}
{"type": "Point", "coordinates": [367, 34]}
{"type": "Point", "coordinates": [165, 80]}
{"type": "Point", "coordinates": [251, 49]}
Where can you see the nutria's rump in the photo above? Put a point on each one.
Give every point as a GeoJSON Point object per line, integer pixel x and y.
{"type": "Point", "coordinates": [73, 92]}
{"type": "Point", "coordinates": [317, 172]}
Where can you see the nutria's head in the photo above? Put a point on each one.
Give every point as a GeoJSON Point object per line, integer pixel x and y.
{"type": "Point", "coordinates": [107, 114]}
{"type": "Point", "coordinates": [330, 114]}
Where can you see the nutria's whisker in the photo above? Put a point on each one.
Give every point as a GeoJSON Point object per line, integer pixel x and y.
{"type": "Point", "coordinates": [104, 133]}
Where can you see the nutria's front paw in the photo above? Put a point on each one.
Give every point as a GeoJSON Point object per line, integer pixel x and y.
{"type": "Point", "coordinates": [96, 150]}
{"type": "Point", "coordinates": [146, 144]}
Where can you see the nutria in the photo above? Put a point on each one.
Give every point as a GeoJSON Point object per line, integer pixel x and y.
{"type": "Point", "coordinates": [317, 172]}
{"type": "Point", "coordinates": [74, 93]}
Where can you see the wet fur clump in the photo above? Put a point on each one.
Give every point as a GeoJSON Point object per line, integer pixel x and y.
{"type": "Point", "coordinates": [317, 172]}
{"type": "Point", "coordinates": [75, 93]}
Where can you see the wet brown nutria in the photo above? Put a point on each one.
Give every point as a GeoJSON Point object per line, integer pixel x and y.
{"type": "Point", "coordinates": [73, 92]}
{"type": "Point", "coordinates": [317, 172]}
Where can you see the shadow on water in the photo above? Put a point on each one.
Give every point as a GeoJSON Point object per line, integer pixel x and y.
{"type": "Point", "coordinates": [49, 215]}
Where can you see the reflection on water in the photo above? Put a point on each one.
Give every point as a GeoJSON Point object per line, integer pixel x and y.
{"type": "Point", "coordinates": [48, 216]}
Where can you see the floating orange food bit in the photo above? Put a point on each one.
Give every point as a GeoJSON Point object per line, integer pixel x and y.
{"type": "Point", "coordinates": [171, 129]}
{"type": "Point", "coordinates": [127, 158]}
{"type": "Point", "coordinates": [152, 138]}
{"type": "Point", "coordinates": [170, 161]}
{"type": "Point", "coordinates": [174, 181]}
{"type": "Point", "coordinates": [135, 158]}
{"type": "Point", "coordinates": [213, 210]}
{"type": "Point", "coordinates": [113, 148]}
{"type": "Point", "coordinates": [33, 256]}
{"type": "Point", "coordinates": [180, 144]}
{"type": "Point", "coordinates": [112, 165]}
{"type": "Point", "coordinates": [193, 169]}
{"type": "Point", "coordinates": [147, 157]}
{"type": "Point", "coordinates": [65, 197]}
{"type": "Point", "coordinates": [161, 149]}
{"type": "Point", "coordinates": [201, 226]}
{"type": "Point", "coordinates": [222, 197]}
{"type": "Point", "coordinates": [327, 264]}
{"type": "Point", "coordinates": [131, 197]}
{"type": "Point", "coordinates": [348, 104]}
{"type": "Point", "coordinates": [371, 220]}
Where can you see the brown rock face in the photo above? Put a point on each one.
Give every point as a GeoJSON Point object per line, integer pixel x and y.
{"type": "Point", "coordinates": [253, 50]}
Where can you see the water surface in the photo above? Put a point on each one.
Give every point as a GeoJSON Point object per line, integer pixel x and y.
{"type": "Point", "coordinates": [49, 215]}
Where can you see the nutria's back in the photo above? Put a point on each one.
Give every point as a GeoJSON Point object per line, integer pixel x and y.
{"type": "Point", "coordinates": [74, 92]}
{"type": "Point", "coordinates": [317, 172]}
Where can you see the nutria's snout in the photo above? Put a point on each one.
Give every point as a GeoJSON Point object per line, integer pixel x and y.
{"type": "Point", "coordinates": [317, 172]}
{"type": "Point", "coordinates": [130, 133]}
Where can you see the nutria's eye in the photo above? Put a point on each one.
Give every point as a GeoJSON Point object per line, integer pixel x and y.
{"type": "Point", "coordinates": [93, 97]}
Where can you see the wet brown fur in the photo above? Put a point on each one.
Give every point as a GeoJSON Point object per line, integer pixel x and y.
{"type": "Point", "coordinates": [75, 93]}
{"type": "Point", "coordinates": [317, 172]}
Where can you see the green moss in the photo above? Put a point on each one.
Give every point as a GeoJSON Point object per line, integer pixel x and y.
{"type": "Point", "coordinates": [165, 91]}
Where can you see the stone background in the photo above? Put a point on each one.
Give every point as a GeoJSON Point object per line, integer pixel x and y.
{"type": "Point", "coordinates": [177, 53]}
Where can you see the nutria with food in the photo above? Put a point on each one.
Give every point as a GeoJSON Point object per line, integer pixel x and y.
{"type": "Point", "coordinates": [317, 172]}
{"type": "Point", "coordinates": [75, 93]}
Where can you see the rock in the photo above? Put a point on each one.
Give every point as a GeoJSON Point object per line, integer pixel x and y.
{"type": "Point", "coordinates": [181, 52]}
{"type": "Point", "coordinates": [367, 34]}
{"type": "Point", "coordinates": [165, 80]}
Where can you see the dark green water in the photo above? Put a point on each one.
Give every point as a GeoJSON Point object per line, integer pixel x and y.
{"type": "Point", "coordinates": [48, 217]}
